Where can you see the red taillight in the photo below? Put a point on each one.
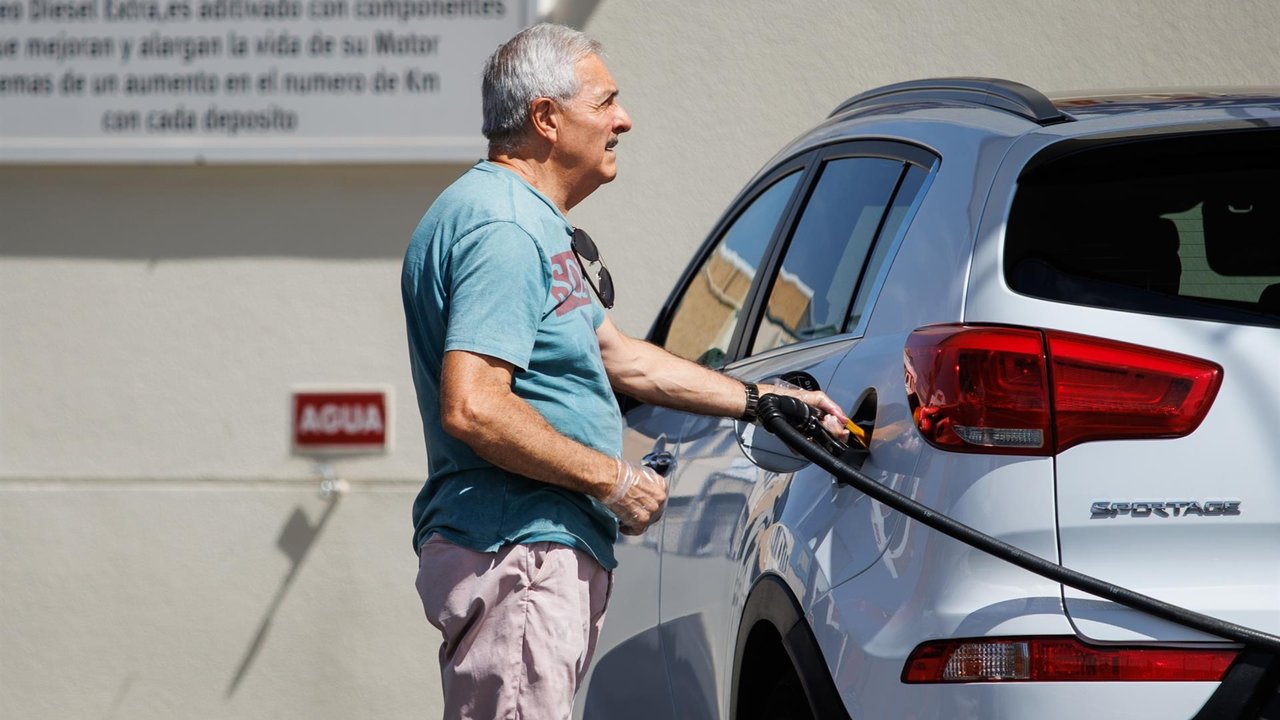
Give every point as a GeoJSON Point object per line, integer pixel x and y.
{"type": "Point", "coordinates": [1107, 390]}
{"type": "Point", "coordinates": [974, 389]}
{"type": "Point", "coordinates": [987, 389]}
{"type": "Point", "coordinates": [1059, 659]}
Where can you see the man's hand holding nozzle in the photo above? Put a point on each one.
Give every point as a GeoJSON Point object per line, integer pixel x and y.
{"type": "Point", "coordinates": [638, 497]}
{"type": "Point", "coordinates": [834, 421]}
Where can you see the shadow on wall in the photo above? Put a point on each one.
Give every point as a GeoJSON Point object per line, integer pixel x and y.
{"type": "Point", "coordinates": [192, 212]}
{"type": "Point", "coordinates": [296, 540]}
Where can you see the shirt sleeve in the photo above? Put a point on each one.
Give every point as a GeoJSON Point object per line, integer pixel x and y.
{"type": "Point", "coordinates": [597, 313]}
{"type": "Point", "coordinates": [498, 283]}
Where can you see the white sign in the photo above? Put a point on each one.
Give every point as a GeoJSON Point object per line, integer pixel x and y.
{"type": "Point", "coordinates": [246, 80]}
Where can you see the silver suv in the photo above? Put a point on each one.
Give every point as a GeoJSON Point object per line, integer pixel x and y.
{"type": "Point", "coordinates": [1056, 321]}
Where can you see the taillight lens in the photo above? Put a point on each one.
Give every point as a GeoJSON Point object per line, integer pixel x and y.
{"type": "Point", "coordinates": [1060, 659]}
{"type": "Point", "coordinates": [1031, 392]}
{"type": "Point", "coordinates": [972, 389]}
{"type": "Point", "coordinates": [1107, 390]}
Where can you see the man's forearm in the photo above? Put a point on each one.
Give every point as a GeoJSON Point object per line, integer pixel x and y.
{"type": "Point", "coordinates": [516, 438]}
{"type": "Point", "coordinates": [652, 375]}
{"type": "Point", "coordinates": [506, 431]}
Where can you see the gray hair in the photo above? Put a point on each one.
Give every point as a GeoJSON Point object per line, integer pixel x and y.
{"type": "Point", "coordinates": [539, 61]}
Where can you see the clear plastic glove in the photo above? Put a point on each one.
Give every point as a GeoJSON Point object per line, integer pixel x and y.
{"type": "Point", "coordinates": [639, 495]}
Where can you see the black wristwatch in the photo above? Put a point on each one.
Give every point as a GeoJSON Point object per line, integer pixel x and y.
{"type": "Point", "coordinates": [753, 399]}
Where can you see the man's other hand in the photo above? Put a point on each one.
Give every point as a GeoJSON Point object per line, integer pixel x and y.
{"type": "Point", "coordinates": [638, 497]}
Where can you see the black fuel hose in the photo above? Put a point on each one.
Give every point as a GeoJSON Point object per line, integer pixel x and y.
{"type": "Point", "coordinates": [777, 413]}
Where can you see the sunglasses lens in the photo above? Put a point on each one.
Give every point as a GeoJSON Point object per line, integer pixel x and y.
{"type": "Point", "coordinates": [606, 288]}
{"type": "Point", "coordinates": [585, 246]}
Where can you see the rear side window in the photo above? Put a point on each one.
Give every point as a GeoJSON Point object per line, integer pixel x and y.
{"type": "Point", "coordinates": [1186, 226]}
{"type": "Point", "coordinates": [811, 293]}
{"type": "Point", "coordinates": [903, 200]}
{"type": "Point", "coordinates": [706, 315]}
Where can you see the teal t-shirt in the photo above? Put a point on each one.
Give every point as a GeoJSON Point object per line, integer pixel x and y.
{"type": "Point", "coordinates": [489, 270]}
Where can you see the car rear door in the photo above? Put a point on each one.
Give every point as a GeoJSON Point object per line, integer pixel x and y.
{"type": "Point", "coordinates": [727, 472]}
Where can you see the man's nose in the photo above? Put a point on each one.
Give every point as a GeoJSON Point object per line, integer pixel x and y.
{"type": "Point", "coordinates": [621, 120]}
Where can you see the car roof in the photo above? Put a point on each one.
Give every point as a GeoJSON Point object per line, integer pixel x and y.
{"type": "Point", "coordinates": [1088, 105]}
{"type": "Point", "coordinates": [1023, 101]}
{"type": "Point", "coordinates": [952, 114]}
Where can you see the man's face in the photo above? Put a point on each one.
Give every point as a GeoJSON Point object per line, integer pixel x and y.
{"type": "Point", "coordinates": [592, 121]}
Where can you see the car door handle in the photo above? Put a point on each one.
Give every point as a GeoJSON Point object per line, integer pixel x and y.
{"type": "Point", "coordinates": [659, 461]}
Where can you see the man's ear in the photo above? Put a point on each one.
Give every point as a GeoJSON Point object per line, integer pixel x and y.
{"type": "Point", "coordinates": [545, 117]}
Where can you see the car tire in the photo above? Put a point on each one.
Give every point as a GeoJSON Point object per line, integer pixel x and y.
{"type": "Point", "coordinates": [786, 701]}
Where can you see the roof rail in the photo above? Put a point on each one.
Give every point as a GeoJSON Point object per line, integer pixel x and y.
{"type": "Point", "coordinates": [1007, 95]}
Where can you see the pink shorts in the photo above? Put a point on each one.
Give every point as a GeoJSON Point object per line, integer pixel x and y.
{"type": "Point", "coordinates": [519, 626]}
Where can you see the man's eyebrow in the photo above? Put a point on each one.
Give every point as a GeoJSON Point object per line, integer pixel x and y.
{"type": "Point", "coordinates": [607, 96]}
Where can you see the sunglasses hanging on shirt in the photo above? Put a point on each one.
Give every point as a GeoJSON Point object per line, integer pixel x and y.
{"type": "Point", "coordinates": [593, 268]}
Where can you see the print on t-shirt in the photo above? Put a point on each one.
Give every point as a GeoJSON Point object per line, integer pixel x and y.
{"type": "Point", "coordinates": [567, 286]}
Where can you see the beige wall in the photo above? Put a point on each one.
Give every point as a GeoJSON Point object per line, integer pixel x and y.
{"type": "Point", "coordinates": [246, 601]}
{"type": "Point", "coordinates": [163, 554]}
{"type": "Point", "coordinates": [152, 319]}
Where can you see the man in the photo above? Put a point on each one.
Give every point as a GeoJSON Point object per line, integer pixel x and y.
{"type": "Point", "coordinates": [515, 366]}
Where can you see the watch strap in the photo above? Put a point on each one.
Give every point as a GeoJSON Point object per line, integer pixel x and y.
{"type": "Point", "coordinates": [753, 401]}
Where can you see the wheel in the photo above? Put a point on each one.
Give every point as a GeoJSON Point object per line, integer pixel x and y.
{"type": "Point", "coordinates": [786, 701]}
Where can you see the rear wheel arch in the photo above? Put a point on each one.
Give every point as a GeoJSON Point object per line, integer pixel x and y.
{"type": "Point", "coordinates": [773, 643]}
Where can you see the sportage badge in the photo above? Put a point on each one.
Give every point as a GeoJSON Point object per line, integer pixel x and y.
{"type": "Point", "coordinates": [1164, 508]}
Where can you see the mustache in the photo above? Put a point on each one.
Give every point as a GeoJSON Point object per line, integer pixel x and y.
{"type": "Point", "coordinates": [613, 142]}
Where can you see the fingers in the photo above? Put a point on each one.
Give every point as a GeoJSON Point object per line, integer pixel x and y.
{"type": "Point", "coordinates": [819, 399]}
{"type": "Point", "coordinates": [638, 498]}
{"type": "Point", "coordinates": [837, 429]}
{"type": "Point", "coordinates": [654, 487]}
{"type": "Point", "coordinates": [813, 398]}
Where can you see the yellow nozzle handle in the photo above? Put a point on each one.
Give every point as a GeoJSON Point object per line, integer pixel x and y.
{"type": "Point", "coordinates": [857, 432]}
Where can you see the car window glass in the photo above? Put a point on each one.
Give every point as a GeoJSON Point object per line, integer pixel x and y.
{"type": "Point", "coordinates": [707, 314]}
{"type": "Point", "coordinates": [1180, 226]}
{"type": "Point", "coordinates": [893, 226]}
{"type": "Point", "coordinates": [811, 292]}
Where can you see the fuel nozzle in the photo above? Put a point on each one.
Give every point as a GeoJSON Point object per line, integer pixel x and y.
{"type": "Point", "coordinates": [808, 420]}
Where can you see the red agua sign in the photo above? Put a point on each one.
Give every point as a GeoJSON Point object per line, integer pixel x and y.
{"type": "Point", "coordinates": [340, 421]}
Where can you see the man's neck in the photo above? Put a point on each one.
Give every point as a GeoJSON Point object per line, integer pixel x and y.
{"type": "Point", "coordinates": [541, 175]}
